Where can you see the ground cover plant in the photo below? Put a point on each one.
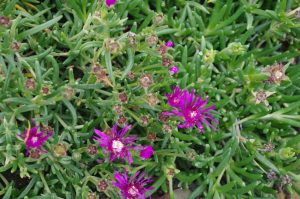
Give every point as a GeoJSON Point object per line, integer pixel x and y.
{"type": "Point", "coordinates": [139, 98]}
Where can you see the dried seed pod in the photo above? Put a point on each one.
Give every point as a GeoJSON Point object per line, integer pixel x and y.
{"type": "Point", "coordinates": [91, 149]}
{"type": "Point", "coordinates": [158, 19]}
{"type": "Point", "coordinates": [112, 46]}
{"type": "Point", "coordinates": [102, 185]}
{"type": "Point", "coordinates": [144, 120]}
{"type": "Point", "coordinates": [152, 99]}
{"type": "Point", "coordinates": [152, 39]}
{"type": "Point", "coordinates": [30, 84]}
{"type": "Point", "coordinates": [151, 137]}
{"type": "Point", "coordinates": [131, 76]}
{"type": "Point", "coordinates": [15, 46]}
{"type": "Point", "coordinates": [123, 97]}
{"type": "Point", "coordinates": [5, 21]}
{"type": "Point", "coordinates": [60, 150]}
{"type": "Point", "coordinates": [166, 61]}
{"type": "Point", "coordinates": [118, 109]}
{"type": "Point", "coordinates": [68, 93]}
{"type": "Point", "coordinates": [146, 80]}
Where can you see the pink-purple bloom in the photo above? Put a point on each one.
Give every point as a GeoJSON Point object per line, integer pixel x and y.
{"type": "Point", "coordinates": [116, 145]}
{"type": "Point", "coordinates": [169, 44]}
{"type": "Point", "coordinates": [147, 152]}
{"type": "Point", "coordinates": [173, 70]}
{"type": "Point", "coordinates": [110, 3]}
{"type": "Point", "coordinates": [191, 108]}
{"type": "Point", "coordinates": [35, 139]}
{"type": "Point", "coordinates": [134, 187]}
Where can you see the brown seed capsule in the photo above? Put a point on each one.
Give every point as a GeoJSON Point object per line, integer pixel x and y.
{"type": "Point", "coordinates": [68, 93]}
{"type": "Point", "coordinates": [112, 46]}
{"type": "Point", "coordinates": [152, 40]}
{"type": "Point", "coordinates": [152, 99]}
{"type": "Point", "coordinates": [92, 149]}
{"type": "Point", "coordinates": [166, 61]}
{"type": "Point", "coordinates": [102, 185]}
{"type": "Point", "coordinates": [146, 80]}
{"type": "Point", "coordinates": [5, 21]}
{"type": "Point", "coordinates": [30, 84]}
{"type": "Point", "coordinates": [118, 109]}
{"type": "Point", "coordinates": [151, 137]}
{"type": "Point", "coordinates": [60, 150]}
{"type": "Point", "coordinates": [123, 97]}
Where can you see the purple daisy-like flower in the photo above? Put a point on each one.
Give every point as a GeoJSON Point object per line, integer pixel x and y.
{"type": "Point", "coordinates": [110, 3]}
{"type": "Point", "coordinates": [191, 108]}
{"type": "Point", "coordinates": [134, 187]}
{"type": "Point", "coordinates": [147, 152]}
{"type": "Point", "coordinates": [34, 139]}
{"type": "Point", "coordinates": [116, 144]}
{"type": "Point", "coordinates": [173, 70]}
{"type": "Point", "coordinates": [169, 44]}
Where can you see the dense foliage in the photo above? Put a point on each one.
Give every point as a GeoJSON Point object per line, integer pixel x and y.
{"type": "Point", "coordinates": [73, 66]}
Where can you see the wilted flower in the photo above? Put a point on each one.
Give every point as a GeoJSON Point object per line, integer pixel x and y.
{"type": "Point", "coordinates": [286, 180]}
{"type": "Point", "coordinates": [146, 80]}
{"type": "Point", "coordinates": [68, 92]}
{"type": "Point", "coordinates": [91, 149]}
{"type": "Point", "coordinates": [131, 38]}
{"type": "Point", "coordinates": [30, 84]}
{"type": "Point", "coordinates": [134, 187]}
{"type": "Point", "coordinates": [45, 90]}
{"type": "Point", "coordinates": [110, 3]}
{"type": "Point", "coordinates": [131, 76]}
{"type": "Point", "coordinates": [91, 196]}
{"type": "Point", "coordinates": [147, 152]}
{"type": "Point", "coordinates": [162, 117]}
{"type": "Point", "coordinates": [5, 21]}
{"type": "Point", "coordinates": [173, 70]}
{"type": "Point", "coordinates": [261, 96]}
{"type": "Point", "coordinates": [171, 171]}
{"type": "Point", "coordinates": [271, 175]}
{"type": "Point", "coordinates": [151, 137]}
{"type": "Point", "coordinates": [122, 120]}
{"type": "Point", "coordinates": [15, 46]}
{"type": "Point", "coordinates": [152, 99]}
{"type": "Point", "coordinates": [123, 97]}
{"type": "Point", "coordinates": [35, 153]}
{"type": "Point", "coordinates": [118, 109]}
{"type": "Point", "coordinates": [112, 46]}
{"type": "Point", "coordinates": [152, 40]}
{"type": "Point", "coordinates": [169, 44]}
{"type": "Point", "coordinates": [268, 147]}
{"type": "Point", "coordinates": [162, 49]}
{"type": "Point", "coordinates": [102, 185]}
{"type": "Point", "coordinates": [276, 73]}
{"type": "Point", "coordinates": [167, 128]}
{"type": "Point", "coordinates": [166, 61]}
{"type": "Point", "coordinates": [116, 145]}
{"type": "Point", "coordinates": [144, 120]}
{"type": "Point", "coordinates": [191, 108]}
{"type": "Point", "coordinates": [35, 139]}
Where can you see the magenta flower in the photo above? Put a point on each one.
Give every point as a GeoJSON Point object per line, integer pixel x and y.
{"type": "Point", "coordinates": [134, 187]}
{"type": "Point", "coordinates": [173, 70]}
{"type": "Point", "coordinates": [147, 152]}
{"type": "Point", "coordinates": [191, 108]}
{"type": "Point", "coordinates": [116, 145]}
{"type": "Point", "coordinates": [34, 139]}
{"type": "Point", "coordinates": [169, 44]}
{"type": "Point", "coordinates": [110, 3]}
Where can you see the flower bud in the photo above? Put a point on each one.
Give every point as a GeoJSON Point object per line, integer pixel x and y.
{"type": "Point", "coordinates": [60, 150]}
{"type": "Point", "coordinates": [76, 156]}
{"type": "Point", "coordinates": [209, 56]}
{"type": "Point", "coordinates": [173, 70]}
{"type": "Point", "coordinates": [146, 80]}
{"type": "Point", "coordinates": [286, 153]}
{"type": "Point", "coordinates": [152, 40]}
{"type": "Point", "coordinates": [158, 19]}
